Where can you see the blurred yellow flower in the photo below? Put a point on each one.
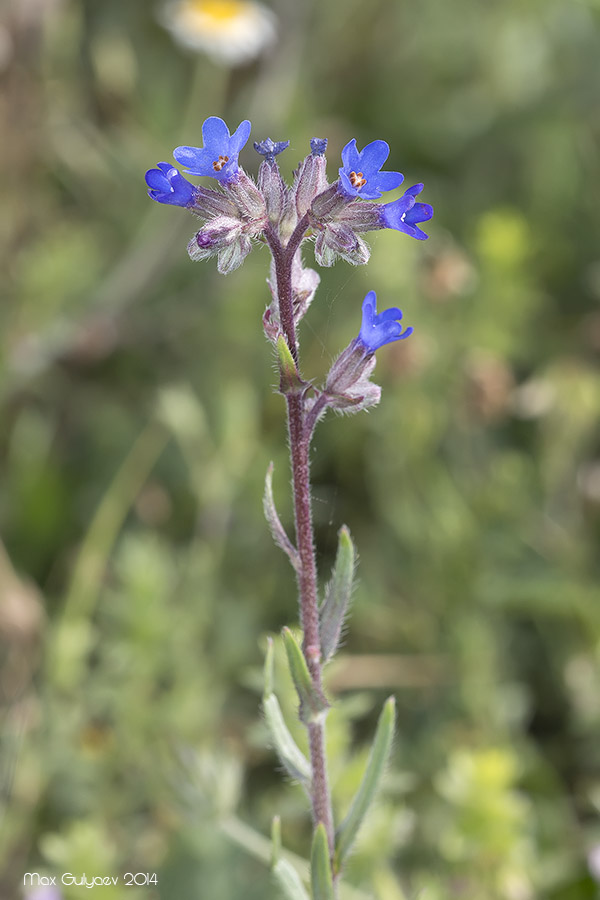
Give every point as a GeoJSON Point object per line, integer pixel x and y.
{"type": "Point", "coordinates": [230, 31]}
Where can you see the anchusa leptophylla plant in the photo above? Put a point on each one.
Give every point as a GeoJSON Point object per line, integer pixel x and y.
{"type": "Point", "coordinates": [238, 214]}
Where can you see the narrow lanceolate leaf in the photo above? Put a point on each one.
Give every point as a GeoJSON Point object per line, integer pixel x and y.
{"type": "Point", "coordinates": [376, 764]}
{"type": "Point", "coordinates": [321, 878]}
{"type": "Point", "coordinates": [313, 704]}
{"type": "Point", "coordinates": [337, 596]}
{"type": "Point", "coordinates": [286, 876]}
{"type": "Point", "coordinates": [290, 755]}
{"type": "Point", "coordinates": [277, 530]}
{"type": "Point", "coordinates": [289, 377]}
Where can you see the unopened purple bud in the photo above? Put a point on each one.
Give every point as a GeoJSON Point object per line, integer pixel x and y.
{"type": "Point", "coordinates": [217, 234]}
{"type": "Point", "coordinates": [318, 146]}
{"type": "Point", "coordinates": [270, 149]}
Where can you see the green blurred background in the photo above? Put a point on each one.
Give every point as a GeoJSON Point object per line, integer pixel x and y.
{"type": "Point", "coordinates": [138, 581]}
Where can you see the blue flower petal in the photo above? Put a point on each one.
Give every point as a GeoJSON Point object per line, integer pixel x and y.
{"type": "Point", "coordinates": [215, 134]}
{"type": "Point", "coordinates": [157, 180]}
{"type": "Point", "coordinates": [240, 137]}
{"type": "Point", "coordinates": [392, 313]}
{"type": "Point", "coordinates": [347, 184]}
{"type": "Point", "coordinates": [351, 156]}
{"type": "Point", "coordinates": [387, 181]}
{"type": "Point", "coordinates": [197, 161]}
{"type": "Point", "coordinates": [373, 157]}
{"type": "Point", "coordinates": [420, 212]}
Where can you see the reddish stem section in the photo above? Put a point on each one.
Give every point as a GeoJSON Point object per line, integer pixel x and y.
{"type": "Point", "coordinates": [300, 437]}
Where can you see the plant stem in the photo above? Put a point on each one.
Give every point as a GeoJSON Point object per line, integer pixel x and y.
{"type": "Point", "coordinates": [299, 437]}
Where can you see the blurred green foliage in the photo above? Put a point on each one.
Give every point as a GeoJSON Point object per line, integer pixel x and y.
{"type": "Point", "coordinates": [139, 581]}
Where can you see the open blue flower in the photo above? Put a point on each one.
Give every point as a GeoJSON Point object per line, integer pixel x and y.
{"type": "Point", "coordinates": [377, 330]}
{"type": "Point", "coordinates": [167, 185]}
{"type": "Point", "coordinates": [360, 174]}
{"type": "Point", "coordinates": [219, 156]}
{"type": "Point", "coordinates": [405, 214]}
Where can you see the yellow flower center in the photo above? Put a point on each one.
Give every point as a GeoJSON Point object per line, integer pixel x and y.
{"type": "Point", "coordinates": [218, 10]}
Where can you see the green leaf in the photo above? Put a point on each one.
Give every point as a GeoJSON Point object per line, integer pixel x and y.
{"type": "Point", "coordinates": [321, 878]}
{"type": "Point", "coordinates": [337, 595]}
{"type": "Point", "coordinates": [291, 757]}
{"type": "Point", "coordinates": [286, 876]}
{"type": "Point", "coordinates": [376, 764]}
{"type": "Point", "coordinates": [289, 881]}
{"type": "Point", "coordinates": [313, 704]}
{"type": "Point", "coordinates": [289, 377]}
{"type": "Point", "coordinates": [277, 530]}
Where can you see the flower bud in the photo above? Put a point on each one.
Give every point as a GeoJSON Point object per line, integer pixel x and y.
{"type": "Point", "coordinates": [304, 285]}
{"type": "Point", "coordinates": [273, 189]}
{"type": "Point", "coordinates": [217, 234]}
{"type": "Point", "coordinates": [311, 180]}
{"type": "Point", "coordinates": [248, 199]}
{"type": "Point", "coordinates": [348, 386]}
{"type": "Point", "coordinates": [340, 240]}
{"type": "Point", "coordinates": [208, 203]}
{"type": "Point", "coordinates": [329, 203]}
{"type": "Point", "coordinates": [234, 255]}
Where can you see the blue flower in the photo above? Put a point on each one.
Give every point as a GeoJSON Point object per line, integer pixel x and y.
{"type": "Point", "coordinates": [219, 156]}
{"type": "Point", "coordinates": [270, 149]}
{"type": "Point", "coordinates": [167, 185]}
{"type": "Point", "coordinates": [377, 330]}
{"type": "Point", "coordinates": [405, 214]}
{"type": "Point", "coordinates": [361, 176]}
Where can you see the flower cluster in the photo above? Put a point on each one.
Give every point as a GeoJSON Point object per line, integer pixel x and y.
{"type": "Point", "coordinates": [240, 212]}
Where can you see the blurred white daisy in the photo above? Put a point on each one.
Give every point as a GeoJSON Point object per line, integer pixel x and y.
{"type": "Point", "coordinates": [230, 31]}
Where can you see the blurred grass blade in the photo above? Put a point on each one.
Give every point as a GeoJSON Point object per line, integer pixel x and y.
{"type": "Point", "coordinates": [291, 757]}
{"type": "Point", "coordinates": [286, 876]}
{"type": "Point", "coordinates": [289, 881]}
{"type": "Point", "coordinates": [277, 529]}
{"type": "Point", "coordinates": [376, 763]}
{"type": "Point", "coordinates": [313, 704]}
{"type": "Point", "coordinates": [337, 595]}
{"type": "Point", "coordinates": [320, 867]}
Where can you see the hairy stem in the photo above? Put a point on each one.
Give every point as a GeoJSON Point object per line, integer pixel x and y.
{"type": "Point", "coordinates": [299, 436]}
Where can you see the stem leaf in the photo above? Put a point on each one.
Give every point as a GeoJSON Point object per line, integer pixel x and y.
{"type": "Point", "coordinates": [320, 866]}
{"type": "Point", "coordinates": [313, 704]}
{"type": "Point", "coordinates": [285, 875]}
{"type": "Point", "coordinates": [277, 530]}
{"type": "Point", "coordinates": [380, 751]}
{"type": "Point", "coordinates": [291, 757]}
{"type": "Point", "coordinates": [289, 377]}
{"type": "Point", "coordinates": [337, 595]}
